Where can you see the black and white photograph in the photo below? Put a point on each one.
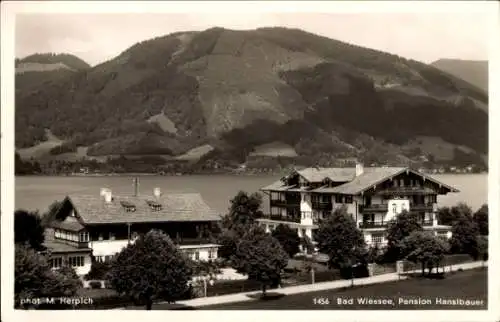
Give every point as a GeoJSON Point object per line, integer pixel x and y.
{"type": "Point", "coordinates": [286, 159]}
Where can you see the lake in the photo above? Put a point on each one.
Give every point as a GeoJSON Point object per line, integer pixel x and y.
{"type": "Point", "coordinates": [38, 192]}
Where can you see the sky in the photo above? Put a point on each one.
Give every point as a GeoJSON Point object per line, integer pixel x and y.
{"type": "Point", "coordinates": [96, 38]}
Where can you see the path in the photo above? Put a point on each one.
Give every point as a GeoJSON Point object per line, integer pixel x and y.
{"type": "Point", "coordinates": [243, 297]}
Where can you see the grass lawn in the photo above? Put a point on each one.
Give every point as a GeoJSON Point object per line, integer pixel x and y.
{"type": "Point", "coordinates": [465, 285]}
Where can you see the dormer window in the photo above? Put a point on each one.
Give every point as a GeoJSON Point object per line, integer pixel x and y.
{"type": "Point", "coordinates": [154, 205]}
{"type": "Point", "coordinates": [128, 206]}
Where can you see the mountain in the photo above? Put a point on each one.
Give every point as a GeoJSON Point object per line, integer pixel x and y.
{"type": "Point", "coordinates": [235, 96]}
{"type": "Point", "coordinates": [472, 71]}
{"type": "Point", "coordinates": [34, 70]}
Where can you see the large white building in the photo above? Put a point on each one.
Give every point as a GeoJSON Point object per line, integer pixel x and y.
{"type": "Point", "coordinates": [373, 197]}
{"type": "Point", "coordinates": [102, 225]}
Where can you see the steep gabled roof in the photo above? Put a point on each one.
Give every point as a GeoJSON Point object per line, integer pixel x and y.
{"type": "Point", "coordinates": [70, 224]}
{"type": "Point", "coordinates": [174, 207]}
{"type": "Point", "coordinates": [371, 176]}
{"type": "Point", "coordinates": [334, 174]}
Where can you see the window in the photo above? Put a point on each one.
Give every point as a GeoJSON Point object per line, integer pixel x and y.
{"type": "Point", "coordinates": [197, 255]}
{"type": "Point", "coordinates": [394, 208]}
{"type": "Point", "coordinates": [338, 199]}
{"type": "Point", "coordinates": [55, 263]}
{"type": "Point", "coordinates": [99, 259]}
{"type": "Point", "coordinates": [84, 237]}
{"type": "Point", "coordinates": [212, 253]}
{"type": "Point", "coordinates": [442, 235]}
{"type": "Point", "coordinates": [433, 199]}
{"type": "Point", "coordinates": [189, 253]}
{"type": "Point", "coordinates": [377, 238]}
{"type": "Point", "coordinates": [348, 199]}
{"type": "Point", "coordinates": [402, 182]}
{"type": "Point", "coordinates": [76, 261]}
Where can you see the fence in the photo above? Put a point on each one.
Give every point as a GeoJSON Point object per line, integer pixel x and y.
{"type": "Point", "coordinates": [446, 265]}
{"type": "Point", "coordinates": [380, 269]}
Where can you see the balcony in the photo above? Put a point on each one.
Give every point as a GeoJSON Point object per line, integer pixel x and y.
{"type": "Point", "coordinates": [373, 224]}
{"type": "Point", "coordinates": [422, 207]}
{"type": "Point", "coordinates": [193, 241]}
{"type": "Point", "coordinates": [427, 223]}
{"type": "Point", "coordinates": [385, 207]}
{"type": "Point", "coordinates": [295, 219]}
{"type": "Point", "coordinates": [285, 203]}
{"type": "Point", "coordinates": [406, 191]}
{"type": "Point", "coordinates": [322, 205]}
{"type": "Point", "coordinates": [374, 208]}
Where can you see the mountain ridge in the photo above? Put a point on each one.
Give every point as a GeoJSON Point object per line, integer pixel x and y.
{"type": "Point", "coordinates": [473, 71]}
{"type": "Point", "coordinates": [238, 90]}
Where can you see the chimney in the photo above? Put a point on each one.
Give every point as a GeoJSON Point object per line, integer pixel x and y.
{"type": "Point", "coordinates": [106, 193]}
{"type": "Point", "coordinates": [359, 169]}
{"type": "Point", "coordinates": [136, 186]}
{"type": "Point", "coordinates": [157, 192]}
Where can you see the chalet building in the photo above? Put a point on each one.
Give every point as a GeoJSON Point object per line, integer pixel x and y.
{"type": "Point", "coordinates": [373, 197]}
{"type": "Point", "coordinates": [101, 226]}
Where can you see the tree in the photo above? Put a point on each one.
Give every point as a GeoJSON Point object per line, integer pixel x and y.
{"type": "Point", "coordinates": [481, 219]}
{"type": "Point", "coordinates": [424, 248]}
{"type": "Point", "coordinates": [49, 216]}
{"type": "Point", "coordinates": [339, 238]}
{"type": "Point", "coordinates": [243, 211]}
{"type": "Point", "coordinates": [261, 257]}
{"type": "Point", "coordinates": [33, 278]}
{"type": "Point", "coordinates": [482, 246]}
{"type": "Point", "coordinates": [28, 229]}
{"type": "Point", "coordinates": [151, 268]}
{"type": "Point", "coordinates": [402, 226]}
{"type": "Point", "coordinates": [288, 239]}
{"type": "Point", "coordinates": [98, 270]}
{"type": "Point", "coordinates": [464, 237]}
{"type": "Point", "coordinates": [444, 216]}
{"type": "Point", "coordinates": [448, 215]}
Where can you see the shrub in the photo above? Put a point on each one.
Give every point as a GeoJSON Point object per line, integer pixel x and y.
{"type": "Point", "coordinates": [95, 284]}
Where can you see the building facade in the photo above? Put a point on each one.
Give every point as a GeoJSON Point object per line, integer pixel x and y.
{"type": "Point", "coordinates": [101, 226]}
{"type": "Point", "coordinates": [373, 197]}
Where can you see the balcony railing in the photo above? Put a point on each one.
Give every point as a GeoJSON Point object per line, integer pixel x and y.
{"type": "Point", "coordinates": [322, 205]}
{"type": "Point", "coordinates": [192, 241]}
{"type": "Point", "coordinates": [385, 207]}
{"type": "Point", "coordinates": [405, 191]}
{"type": "Point", "coordinates": [374, 208]}
{"type": "Point", "coordinates": [427, 223]}
{"type": "Point", "coordinates": [385, 224]}
{"type": "Point", "coordinates": [373, 224]}
{"type": "Point", "coordinates": [422, 206]}
{"type": "Point", "coordinates": [285, 203]}
{"type": "Point", "coordinates": [295, 218]}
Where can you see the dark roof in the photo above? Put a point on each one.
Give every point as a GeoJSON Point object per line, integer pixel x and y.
{"type": "Point", "coordinates": [70, 223]}
{"type": "Point", "coordinates": [371, 176]}
{"type": "Point", "coordinates": [334, 174]}
{"type": "Point", "coordinates": [58, 247]}
{"type": "Point", "coordinates": [174, 207]}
